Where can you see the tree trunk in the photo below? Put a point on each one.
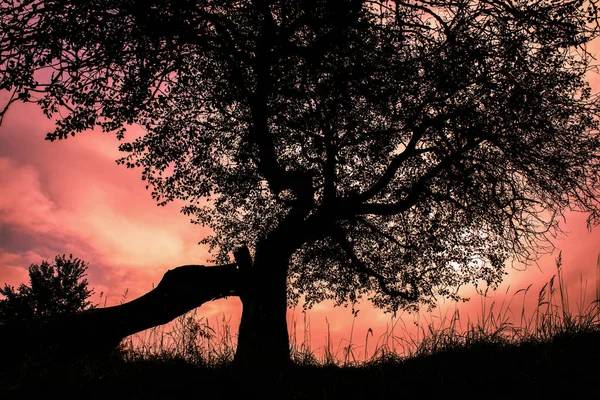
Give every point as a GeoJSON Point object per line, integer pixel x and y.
{"type": "Point", "coordinates": [102, 329]}
{"type": "Point", "coordinates": [263, 341]}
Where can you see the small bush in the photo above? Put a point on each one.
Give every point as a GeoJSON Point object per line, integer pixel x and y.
{"type": "Point", "coordinates": [55, 288]}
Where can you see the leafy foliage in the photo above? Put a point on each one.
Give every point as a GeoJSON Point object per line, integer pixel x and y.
{"type": "Point", "coordinates": [54, 288]}
{"type": "Point", "coordinates": [395, 149]}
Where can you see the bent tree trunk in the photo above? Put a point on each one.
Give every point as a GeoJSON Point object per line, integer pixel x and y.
{"type": "Point", "coordinates": [102, 329]}
{"type": "Point", "coordinates": [263, 340]}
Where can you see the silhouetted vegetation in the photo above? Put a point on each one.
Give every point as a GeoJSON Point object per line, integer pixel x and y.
{"type": "Point", "coordinates": [55, 288]}
{"type": "Point", "coordinates": [390, 151]}
{"type": "Point", "coordinates": [549, 352]}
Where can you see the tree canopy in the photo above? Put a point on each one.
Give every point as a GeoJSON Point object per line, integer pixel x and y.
{"type": "Point", "coordinates": [414, 146]}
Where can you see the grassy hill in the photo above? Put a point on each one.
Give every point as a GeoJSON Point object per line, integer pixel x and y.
{"type": "Point", "coordinates": [565, 366]}
{"type": "Point", "coordinates": [553, 354]}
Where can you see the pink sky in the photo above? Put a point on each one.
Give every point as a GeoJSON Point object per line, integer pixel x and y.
{"type": "Point", "coordinates": [71, 197]}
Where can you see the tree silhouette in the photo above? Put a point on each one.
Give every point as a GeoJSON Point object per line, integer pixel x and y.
{"type": "Point", "coordinates": [393, 150]}
{"type": "Point", "coordinates": [54, 288]}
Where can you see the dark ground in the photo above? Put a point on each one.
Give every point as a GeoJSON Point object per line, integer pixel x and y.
{"type": "Point", "coordinates": [567, 367]}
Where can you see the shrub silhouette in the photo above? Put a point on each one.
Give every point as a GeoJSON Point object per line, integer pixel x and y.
{"type": "Point", "coordinates": [55, 288]}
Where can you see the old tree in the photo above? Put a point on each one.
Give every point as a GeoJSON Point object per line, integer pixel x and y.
{"type": "Point", "coordinates": [393, 150]}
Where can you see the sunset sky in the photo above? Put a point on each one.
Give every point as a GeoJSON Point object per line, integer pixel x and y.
{"type": "Point", "coordinates": [71, 197]}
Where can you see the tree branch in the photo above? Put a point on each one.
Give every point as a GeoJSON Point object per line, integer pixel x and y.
{"type": "Point", "coordinates": [361, 267]}
{"type": "Point", "coordinates": [409, 151]}
{"type": "Point", "coordinates": [417, 188]}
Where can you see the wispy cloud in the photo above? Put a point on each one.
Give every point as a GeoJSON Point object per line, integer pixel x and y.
{"type": "Point", "coordinates": [71, 197]}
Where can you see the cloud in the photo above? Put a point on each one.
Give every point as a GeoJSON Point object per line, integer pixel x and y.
{"type": "Point", "coordinates": [22, 204]}
{"type": "Point", "coordinates": [128, 241]}
{"type": "Point", "coordinates": [71, 197]}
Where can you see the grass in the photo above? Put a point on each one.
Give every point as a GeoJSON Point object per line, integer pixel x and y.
{"type": "Point", "coordinates": [506, 352]}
